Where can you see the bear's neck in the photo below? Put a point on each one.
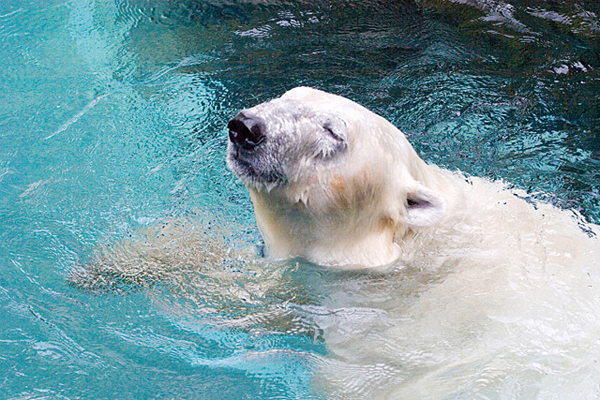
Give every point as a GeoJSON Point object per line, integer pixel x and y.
{"type": "Point", "coordinates": [332, 239]}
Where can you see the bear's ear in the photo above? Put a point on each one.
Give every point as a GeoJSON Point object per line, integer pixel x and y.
{"type": "Point", "coordinates": [424, 208]}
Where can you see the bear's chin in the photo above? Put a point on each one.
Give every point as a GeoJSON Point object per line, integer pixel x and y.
{"type": "Point", "coordinates": [253, 177]}
{"type": "Point", "coordinates": [256, 182]}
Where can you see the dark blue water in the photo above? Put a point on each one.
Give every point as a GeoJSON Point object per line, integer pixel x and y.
{"type": "Point", "coordinates": [112, 117]}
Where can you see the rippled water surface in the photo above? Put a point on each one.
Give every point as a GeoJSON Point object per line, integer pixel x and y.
{"type": "Point", "coordinates": [112, 117]}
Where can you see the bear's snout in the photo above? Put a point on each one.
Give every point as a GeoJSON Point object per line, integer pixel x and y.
{"type": "Point", "coordinates": [246, 132]}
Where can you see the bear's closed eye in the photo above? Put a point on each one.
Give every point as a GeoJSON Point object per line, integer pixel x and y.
{"type": "Point", "coordinates": [334, 132]}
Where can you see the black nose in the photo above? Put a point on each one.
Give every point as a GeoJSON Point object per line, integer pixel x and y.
{"type": "Point", "coordinates": [246, 132]}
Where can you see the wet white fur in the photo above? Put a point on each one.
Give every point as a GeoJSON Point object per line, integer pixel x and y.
{"type": "Point", "coordinates": [487, 294]}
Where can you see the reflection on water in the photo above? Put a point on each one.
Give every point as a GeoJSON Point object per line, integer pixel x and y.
{"type": "Point", "coordinates": [112, 119]}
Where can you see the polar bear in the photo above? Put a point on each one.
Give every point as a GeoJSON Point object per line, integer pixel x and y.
{"type": "Point", "coordinates": [485, 290]}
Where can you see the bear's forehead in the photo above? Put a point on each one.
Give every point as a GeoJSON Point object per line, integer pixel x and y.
{"type": "Point", "coordinates": [316, 111]}
{"type": "Point", "coordinates": [306, 94]}
{"type": "Point", "coordinates": [292, 111]}
{"type": "Point", "coordinates": [316, 99]}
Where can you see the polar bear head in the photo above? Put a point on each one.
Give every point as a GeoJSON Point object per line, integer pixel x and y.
{"type": "Point", "coordinates": [332, 182]}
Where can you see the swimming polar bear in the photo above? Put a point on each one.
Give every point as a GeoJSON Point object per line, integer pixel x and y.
{"type": "Point", "coordinates": [485, 292]}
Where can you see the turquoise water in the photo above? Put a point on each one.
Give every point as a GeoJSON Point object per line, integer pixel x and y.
{"type": "Point", "coordinates": [112, 118]}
